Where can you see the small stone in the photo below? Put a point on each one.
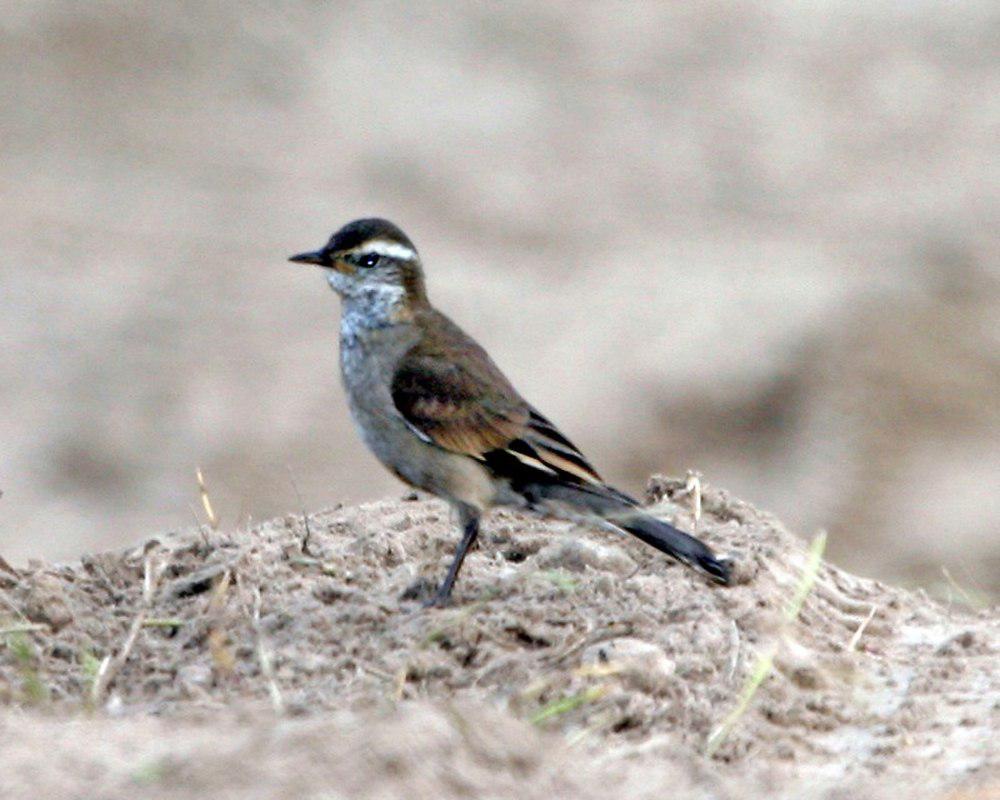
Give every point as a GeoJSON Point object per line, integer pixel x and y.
{"type": "Point", "coordinates": [400, 523]}
{"type": "Point", "coordinates": [196, 582]}
{"type": "Point", "coordinates": [958, 643]}
{"type": "Point", "coordinates": [639, 664]}
{"type": "Point", "coordinates": [802, 667]}
{"type": "Point", "coordinates": [194, 679]}
{"type": "Point", "coordinates": [332, 591]}
{"type": "Point", "coordinates": [47, 602]}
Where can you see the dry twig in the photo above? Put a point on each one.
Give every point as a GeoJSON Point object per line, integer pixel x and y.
{"type": "Point", "coordinates": [734, 658]}
{"type": "Point", "coordinates": [12, 606]}
{"type": "Point", "coordinates": [206, 503]}
{"type": "Point", "coordinates": [264, 656]}
{"type": "Point", "coordinates": [26, 627]}
{"type": "Point", "coordinates": [851, 645]}
{"type": "Point", "coordinates": [692, 487]}
{"type": "Point", "coordinates": [112, 665]}
{"type": "Point", "coordinates": [305, 517]}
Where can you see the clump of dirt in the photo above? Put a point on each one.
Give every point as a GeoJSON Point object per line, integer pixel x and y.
{"type": "Point", "coordinates": [572, 664]}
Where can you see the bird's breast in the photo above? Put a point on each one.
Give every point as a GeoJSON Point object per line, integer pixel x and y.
{"type": "Point", "coordinates": [368, 362]}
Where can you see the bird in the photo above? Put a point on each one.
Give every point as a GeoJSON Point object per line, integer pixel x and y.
{"type": "Point", "coordinates": [435, 409]}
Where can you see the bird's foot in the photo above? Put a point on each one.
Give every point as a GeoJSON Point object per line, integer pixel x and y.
{"type": "Point", "coordinates": [421, 589]}
{"type": "Point", "coordinates": [428, 593]}
{"type": "Point", "coordinates": [439, 600]}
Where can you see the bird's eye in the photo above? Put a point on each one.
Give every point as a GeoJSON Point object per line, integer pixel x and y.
{"type": "Point", "coordinates": [369, 259]}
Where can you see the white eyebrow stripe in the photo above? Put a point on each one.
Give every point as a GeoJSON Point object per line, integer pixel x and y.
{"type": "Point", "coordinates": [386, 248]}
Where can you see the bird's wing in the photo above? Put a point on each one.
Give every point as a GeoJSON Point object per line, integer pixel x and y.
{"type": "Point", "coordinates": [452, 394]}
{"type": "Point", "coordinates": [460, 407]}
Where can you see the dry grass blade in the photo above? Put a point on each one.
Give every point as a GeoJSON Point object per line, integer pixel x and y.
{"type": "Point", "coordinates": [974, 598]}
{"type": "Point", "coordinates": [223, 658]}
{"type": "Point", "coordinates": [856, 638]}
{"type": "Point", "coordinates": [307, 536]}
{"type": "Point", "coordinates": [734, 644]}
{"type": "Point", "coordinates": [6, 567]}
{"type": "Point", "coordinates": [692, 487]}
{"type": "Point", "coordinates": [206, 502]}
{"type": "Point", "coordinates": [765, 662]}
{"type": "Point", "coordinates": [12, 606]}
{"type": "Point", "coordinates": [264, 656]}
{"type": "Point", "coordinates": [27, 627]}
{"type": "Point", "coordinates": [111, 665]}
{"type": "Point", "coordinates": [571, 703]}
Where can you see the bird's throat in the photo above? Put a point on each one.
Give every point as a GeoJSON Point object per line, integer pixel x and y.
{"type": "Point", "coordinates": [374, 306]}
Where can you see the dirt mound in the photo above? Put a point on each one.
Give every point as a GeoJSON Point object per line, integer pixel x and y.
{"type": "Point", "coordinates": [573, 664]}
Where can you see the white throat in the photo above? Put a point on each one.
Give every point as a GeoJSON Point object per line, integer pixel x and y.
{"type": "Point", "coordinates": [369, 305]}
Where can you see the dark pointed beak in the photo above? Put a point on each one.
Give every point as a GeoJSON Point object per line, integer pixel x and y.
{"type": "Point", "coordinates": [318, 257]}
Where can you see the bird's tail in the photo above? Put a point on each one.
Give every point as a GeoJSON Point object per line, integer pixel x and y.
{"type": "Point", "coordinates": [623, 512]}
{"type": "Point", "coordinates": [668, 539]}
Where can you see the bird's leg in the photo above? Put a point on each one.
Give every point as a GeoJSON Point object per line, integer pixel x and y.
{"type": "Point", "coordinates": [470, 530]}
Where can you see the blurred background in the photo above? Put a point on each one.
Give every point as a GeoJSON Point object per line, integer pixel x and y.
{"type": "Point", "coordinates": [758, 240]}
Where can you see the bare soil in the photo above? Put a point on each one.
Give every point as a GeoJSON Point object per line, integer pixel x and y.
{"type": "Point", "coordinates": [572, 664]}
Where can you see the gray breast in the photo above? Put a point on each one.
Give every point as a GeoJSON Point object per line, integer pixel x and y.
{"type": "Point", "coordinates": [368, 360]}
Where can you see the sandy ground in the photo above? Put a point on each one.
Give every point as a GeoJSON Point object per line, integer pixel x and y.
{"type": "Point", "coordinates": [573, 664]}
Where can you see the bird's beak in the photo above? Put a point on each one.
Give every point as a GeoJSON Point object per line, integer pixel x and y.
{"type": "Point", "coordinates": [318, 257]}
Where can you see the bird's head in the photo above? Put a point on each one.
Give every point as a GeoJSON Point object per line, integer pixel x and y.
{"type": "Point", "coordinates": [370, 257]}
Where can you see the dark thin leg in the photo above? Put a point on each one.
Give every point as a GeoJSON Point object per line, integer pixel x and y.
{"type": "Point", "coordinates": [470, 530]}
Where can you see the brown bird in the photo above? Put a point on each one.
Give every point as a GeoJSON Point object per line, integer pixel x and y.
{"type": "Point", "coordinates": [434, 408]}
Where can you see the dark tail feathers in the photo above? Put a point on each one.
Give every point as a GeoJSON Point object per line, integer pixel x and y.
{"type": "Point", "coordinates": [623, 512]}
{"type": "Point", "coordinates": [667, 539]}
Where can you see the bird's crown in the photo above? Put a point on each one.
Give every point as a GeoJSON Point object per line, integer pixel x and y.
{"type": "Point", "coordinates": [372, 235]}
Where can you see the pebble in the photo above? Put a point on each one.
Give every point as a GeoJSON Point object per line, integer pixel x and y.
{"type": "Point", "coordinates": [194, 679]}
{"type": "Point", "coordinates": [639, 664]}
{"type": "Point", "coordinates": [47, 602]}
